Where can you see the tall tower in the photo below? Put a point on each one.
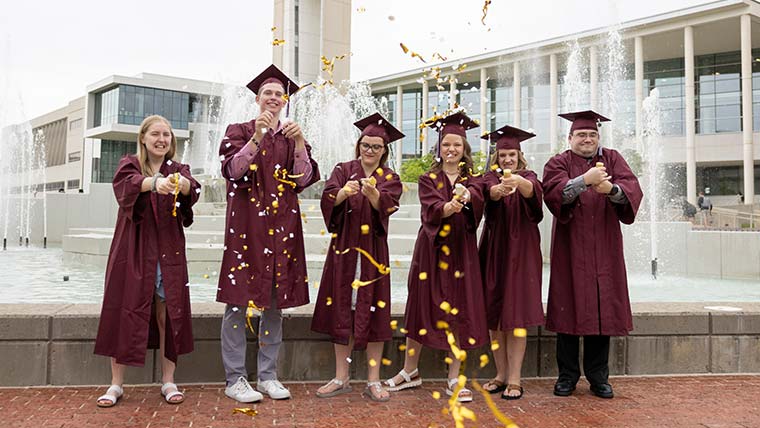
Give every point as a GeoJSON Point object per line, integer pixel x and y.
{"type": "Point", "coordinates": [312, 29]}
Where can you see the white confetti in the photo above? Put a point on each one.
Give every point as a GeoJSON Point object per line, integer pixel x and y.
{"type": "Point", "coordinates": [221, 157]}
{"type": "Point", "coordinates": [232, 230]}
{"type": "Point", "coordinates": [198, 191]}
{"type": "Point", "coordinates": [228, 145]}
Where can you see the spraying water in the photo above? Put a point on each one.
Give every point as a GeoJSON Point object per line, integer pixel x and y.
{"type": "Point", "coordinates": [651, 143]}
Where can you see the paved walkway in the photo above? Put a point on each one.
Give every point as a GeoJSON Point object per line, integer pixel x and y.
{"type": "Point", "coordinates": [673, 401]}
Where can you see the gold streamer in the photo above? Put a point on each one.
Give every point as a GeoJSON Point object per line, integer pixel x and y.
{"type": "Point", "coordinates": [174, 178]}
{"type": "Point", "coordinates": [508, 423]}
{"type": "Point", "coordinates": [249, 314]}
{"type": "Point", "coordinates": [245, 410]}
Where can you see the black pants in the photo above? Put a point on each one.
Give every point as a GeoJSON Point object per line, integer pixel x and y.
{"type": "Point", "coordinates": [596, 352]}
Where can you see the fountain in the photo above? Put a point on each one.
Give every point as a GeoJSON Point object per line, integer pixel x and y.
{"type": "Point", "coordinates": [652, 147]}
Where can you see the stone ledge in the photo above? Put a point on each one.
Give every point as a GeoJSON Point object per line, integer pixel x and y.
{"type": "Point", "coordinates": [52, 344]}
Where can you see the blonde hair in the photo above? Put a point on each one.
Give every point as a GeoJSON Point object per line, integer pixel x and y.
{"type": "Point", "coordinates": [142, 152]}
{"type": "Point", "coordinates": [522, 163]}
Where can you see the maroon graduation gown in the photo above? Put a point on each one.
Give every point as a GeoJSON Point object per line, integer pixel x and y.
{"type": "Point", "coordinates": [465, 292]}
{"type": "Point", "coordinates": [510, 256]}
{"type": "Point", "coordinates": [588, 287]}
{"type": "Point", "coordinates": [263, 234]}
{"type": "Point", "coordinates": [145, 235]}
{"type": "Point", "coordinates": [370, 322]}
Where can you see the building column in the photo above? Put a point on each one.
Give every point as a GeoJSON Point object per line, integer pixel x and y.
{"type": "Point", "coordinates": [452, 92]}
{"type": "Point", "coordinates": [691, 159]}
{"type": "Point", "coordinates": [484, 116]}
{"type": "Point", "coordinates": [638, 76]}
{"type": "Point", "coordinates": [425, 112]}
{"type": "Point", "coordinates": [747, 114]}
{"type": "Point", "coordinates": [516, 92]}
{"type": "Point", "coordinates": [398, 116]}
{"type": "Point", "coordinates": [553, 102]}
{"type": "Point", "coordinates": [593, 76]}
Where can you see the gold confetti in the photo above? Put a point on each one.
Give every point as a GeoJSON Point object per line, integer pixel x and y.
{"type": "Point", "coordinates": [414, 54]}
{"type": "Point", "coordinates": [454, 311]}
{"type": "Point", "coordinates": [439, 56]}
{"type": "Point", "coordinates": [422, 276]}
{"type": "Point", "coordinates": [441, 325]}
{"type": "Point", "coordinates": [485, 11]}
{"type": "Point", "coordinates": [380, 304]}
{"type": "Point", "coordinates": [372, 181]}
{"type": "Point", "coordinates": [253, 167]}
{"type": "Point", "coordinates": [273, 29]}
{"type": "Point", "coordinates": [444, 232]}
{"type": "Point", "coordinates": [275, 204]}
{"type": "Point", "coordinates": [361, 9]}
{"type": "Point", "coordinates": [404, 48]}
{"type": "Point", "coordinates": [245, 248]}
{"type": "Point", "coordinates": [432, 176]}
{"type": "Point", "coordinates": [249, 314]}
{"type": "Point", "coordinates": [410, 352]}
{"type": "Point", "coordinates": [520, 332]}
{"type": "Point", "coordinates": [448, 360]}
{"type": "Point", "coordinates": [389, 177]}
{"type": "Point", "coordinates": [461, 67]}
{"type": "Point", "coordinates": [502, 418]}
{"type": "Point", "coordinates": [494, 167]}
{"type": "Point", "coordinates": [372, 362]}
{"type": "Point", "coordinates": [458, 274]}
{"type": "Point", "coordinates": [365, 229]}
{"type": "Point", "coordinates": [403, 330]}
{"type": "Point", "coordinates": [436, 395]}
{"type": "Point", "coordinates": [494, 345]}
{"type": "Point", "coordinates": [443, 265]}
{"type": "Point", "coordinates": [446, 250]}
{"type": "Point", "coordinates": [278, 42]}
{"type": "Point", "coordinates": [205, 276]}
{"type": "Point", "coordinates": [483, 360]}
{"type": "Point", "coordinates": [329, 301]}
{"type": "Point", "coordinates": [322, 232]}
{"type": "Point", "coordinates": [445, 306]}
{"type": "Point", "coordinates": [471, 341]}
{"type": "Point", "coordinates": [245, 410]}
{"type": "Point", "coordinates": [402, 347]}
{"type": "Point", "coordinates": [386, 362]}
{"type": "Point", "coordinates": [422, 332]}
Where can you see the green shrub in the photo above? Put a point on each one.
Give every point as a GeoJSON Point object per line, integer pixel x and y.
{"type": "Point", "coordinates": [411, 169]}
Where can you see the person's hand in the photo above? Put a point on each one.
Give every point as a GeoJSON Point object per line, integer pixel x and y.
{"type": "Point", "coordinates": [293, 130]}
{"type": "Point", "coordinates": [368, 189]}
{"type": "Point", "coordinates": [263, 123]}
{"type": "Point", "coordinates": [604, 187]}
{"type": "Point", "coordinates": [454, 206]}
{"type": "Point", "coordinates": [595, 176]}
{"type": "Point", "coordinates": [164, 186]}
{"type": "Point", "coordinates": [511, 183]}
{"type": "Point", "coordinates": [351, 188]}
{"type": "Point", "coordinates": [499, 191]}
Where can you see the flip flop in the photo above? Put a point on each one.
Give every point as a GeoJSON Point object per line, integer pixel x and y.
{"type": "Point", "coordinates": [499, 386]}
{"type": "Point", "coordinates": [169, 395]}
{"type": "Point", "coordinates": [410, 380]}
{"type": "Point", "coordinates": [113, 393]}
{"type": "Point", "coordinates": [513, 387]}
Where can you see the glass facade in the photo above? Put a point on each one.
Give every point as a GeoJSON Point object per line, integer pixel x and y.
{"type": "Point", "coordinates": [724, 180]}
{"type": "Point", "coordinates": [667, 76]}
{"type": "Point", "coordinates": [111, 152]}
{"type": "Point", "coordinates": [129, 105]}
{"type": "Point", "coordinates": [718, 101]}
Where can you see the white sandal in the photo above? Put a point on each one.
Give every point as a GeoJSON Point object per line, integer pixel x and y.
{"type": "Point", "coordinates": [464, 395]}
{"type": "Point", "coordinates": [411, 380]}
{"type": "Point", "coordinates": [169, 395]}
{"type": "Point", "coordinates": [112, 395]}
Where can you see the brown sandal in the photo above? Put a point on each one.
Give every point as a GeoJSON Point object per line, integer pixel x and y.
{"type": "Point", "coordinates": [494, 386]}
{"type": "Point", "coordinates": [513, 387]}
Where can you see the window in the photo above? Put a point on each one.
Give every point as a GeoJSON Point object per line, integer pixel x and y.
{"type": "Point", "coordinates": [72, 184]}
{"type": "Point", "coordinates": [129, 105]}
{"type": "Point", "coordinates": [111, 153]}
{"type": "Point", "coordinates": [75, 156]}
{"type": "Point", "coordinates": [75, 124]}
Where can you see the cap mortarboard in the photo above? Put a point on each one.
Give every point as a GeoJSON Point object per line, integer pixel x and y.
{"type": "Point", "coordinates": [508, 137]}
{"type": "Point", "coordinates": [587, 119]}
{"type": "Point", "coordinates": [375, 125]}
{"type": "Point", "coordinates": [457, 123]}
{"type": "Point", "coordinates": [273, 74]}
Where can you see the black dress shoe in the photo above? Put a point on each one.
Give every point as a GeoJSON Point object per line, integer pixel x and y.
{"type": "Point", "coordinates": [602, 390]}
{"type": "Point", "coordinates": [564, 388]}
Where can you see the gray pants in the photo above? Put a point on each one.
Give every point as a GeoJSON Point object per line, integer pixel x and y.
{"type": "Point", "coordinates": [234, 342]}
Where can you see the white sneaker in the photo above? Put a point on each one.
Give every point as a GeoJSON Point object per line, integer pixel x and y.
{"type": "Point", "coordinates": [274, 389]}
{"type": "Point", "coordinates": [243, 392]}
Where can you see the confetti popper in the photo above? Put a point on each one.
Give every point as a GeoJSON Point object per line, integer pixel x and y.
{"type": "Point", "coordinates": [246, 411]}
{"type": "Point", "coordinates": [507, 173]}
{"type": "Point", "coordinates": [174, 178]}
{"type": "Point", "coordinates": [600, 164]}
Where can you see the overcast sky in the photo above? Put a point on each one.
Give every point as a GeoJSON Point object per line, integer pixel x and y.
{"type": "Point", "coordinates": [50, 51]}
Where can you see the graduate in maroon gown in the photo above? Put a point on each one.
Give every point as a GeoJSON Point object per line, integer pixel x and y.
{"type": "Point", "coordinates": [590, 190]}
{"type": "Point", "coordinates": [146, 299]}
{"type": "Point", "coordinates": [444, 278]}
{"type": "Point", "coordinates": [354, 301]}
{"type": "Point", "coordinates": [510, 256]}
{"type": "Point", "coordinates": [267, 163]}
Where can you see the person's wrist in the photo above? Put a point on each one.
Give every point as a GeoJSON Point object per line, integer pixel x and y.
{"type": "Point", "coordinates": [153, 183]}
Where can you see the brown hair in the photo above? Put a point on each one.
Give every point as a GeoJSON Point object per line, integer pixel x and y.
{"type": "Point", "coordinates": [142, 152]}
{"type": "Point", "coordinates": [521, 162]}
{"type": "Point", "coordinates": [464, 170]}
{"type": "Point", "coordinates": [383, 157]}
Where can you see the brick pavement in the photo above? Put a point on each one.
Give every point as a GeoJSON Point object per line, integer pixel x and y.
{"type": "Point", "coordinates": [672, 401]}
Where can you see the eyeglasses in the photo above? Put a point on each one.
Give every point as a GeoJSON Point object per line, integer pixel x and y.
{"type": "Point", "coordinates": [371, 147]}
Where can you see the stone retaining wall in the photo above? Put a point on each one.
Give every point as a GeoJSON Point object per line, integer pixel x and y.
{"type": "Point", "coordinates": [52, 345]}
